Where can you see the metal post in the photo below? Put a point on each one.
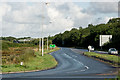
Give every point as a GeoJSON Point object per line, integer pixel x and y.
{"type": "Point", "coordinates": [40, 44]}
{"type": "Point", "coordinates": [47, 37]}
{"type": "Point", "coordinates": [42, 38]}
{"type": "Point", "coordinates": [47, 43]}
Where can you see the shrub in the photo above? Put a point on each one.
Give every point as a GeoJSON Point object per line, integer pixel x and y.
{"type": "Point", "coordinates": [5, 46]}
{"type": "Point", "coordinates": [27, 54]}
{"type": "Point", "coordinates": [11, 57]}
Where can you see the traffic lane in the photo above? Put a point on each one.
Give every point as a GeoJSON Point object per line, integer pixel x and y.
{"type": "Point", "coordinates": [101, 52]}
{"type": "Point", "coordinates": [95, 67]}
{"type": "Point", "coordinates": [69, 64]}
{"type": "Point", "coordinates": [86, 50]}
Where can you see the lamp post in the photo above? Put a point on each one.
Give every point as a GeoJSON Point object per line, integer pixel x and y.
{"type": "Point", "coordinates": [47, 37]}
{"type": "Point", "coordinates": [42, 36]}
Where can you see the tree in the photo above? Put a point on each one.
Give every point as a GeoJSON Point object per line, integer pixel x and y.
{"type": "Point", "coordinates": [83, 37]}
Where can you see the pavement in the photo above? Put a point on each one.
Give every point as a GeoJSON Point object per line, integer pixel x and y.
{"type": "Point", "coordinates": [72, 65]}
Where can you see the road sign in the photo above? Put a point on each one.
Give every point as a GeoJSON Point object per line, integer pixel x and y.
{"type": "Point", "coordinates": [52, 46]}
{"type": "Point", "coordinates": [104, 39]}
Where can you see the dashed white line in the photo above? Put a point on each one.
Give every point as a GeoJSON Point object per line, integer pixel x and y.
{"type": "Point", "coordinates": [78, 62]}
{"type": "Point", "coordinates": [86, 67]}
{"type": "Point", "coordinates": [76, 71]}
{"type": "Point", "coordinates": [74, 56]}
{"type": "Point", "coordinates": [83, 70]}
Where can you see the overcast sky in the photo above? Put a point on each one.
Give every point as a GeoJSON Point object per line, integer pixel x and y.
{"type": "Point", "coordinates": [21, 19]}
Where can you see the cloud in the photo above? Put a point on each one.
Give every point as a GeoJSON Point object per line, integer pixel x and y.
{"type": "Point", "coordinates": [58, 22]}
{"type": "Point", "coordinates": [4, 8]}
{"type": "Point", "coordinates": [29, 19]}
{"type": "Point", "coordinates": [74, 12]}
{"type": "Point", "coordinates": [27, 14]}
{"type": "Point", "coordinates": [59, 0]}
{"type": "Point", "coordinates": [102, 7]}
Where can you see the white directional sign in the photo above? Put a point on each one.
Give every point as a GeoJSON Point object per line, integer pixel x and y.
{"type": "Point", "coordinates": [104, 39]}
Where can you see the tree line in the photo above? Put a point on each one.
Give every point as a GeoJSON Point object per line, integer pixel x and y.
{"type": "Point", "coordinates": [83, 37]}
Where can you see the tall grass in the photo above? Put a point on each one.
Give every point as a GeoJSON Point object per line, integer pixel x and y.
{"type": "Point", "coordinates": [13, 57]}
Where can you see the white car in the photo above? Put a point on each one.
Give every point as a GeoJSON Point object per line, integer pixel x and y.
{"type": "Point", "coordinates": [90, 48]}
{"type": "Point", "coordinates": [112, 51]}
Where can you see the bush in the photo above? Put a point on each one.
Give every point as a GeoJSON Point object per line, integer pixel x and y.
{"type": "Point", "coordinates": [5, 46]}
{"type": "Point", "coordinates": [27, 54]}
{"type": "Point", "coordinates": [4, 66]}
{"type": "Point", "coordinates": [24, 55]}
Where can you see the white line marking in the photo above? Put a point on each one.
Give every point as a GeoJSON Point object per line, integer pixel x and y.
{"type": "Point", "coordinates": [78, 62]}
{"type": "Point", "coordinates": [87, 67]}
{"type": "Point", "coordinates": [74, 56]}
{"type": "Point", "coordinates": [83, 70]}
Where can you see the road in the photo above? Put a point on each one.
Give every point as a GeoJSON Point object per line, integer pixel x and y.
{"type": "Point", "coordinates": [72, 65]}
{"type": "Point", "coordinates": [101, 52]}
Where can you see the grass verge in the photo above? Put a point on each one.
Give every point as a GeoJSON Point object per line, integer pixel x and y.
{"type": "Point", "coordinates": [37, 63]}
{"type": "Point", "coordinates": [112, 59]}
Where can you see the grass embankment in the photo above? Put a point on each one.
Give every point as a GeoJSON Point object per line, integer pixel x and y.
{"type": "Point", "coordinates": [112, 59]}
{"type": "Point", "coordinates": [37, 62]}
